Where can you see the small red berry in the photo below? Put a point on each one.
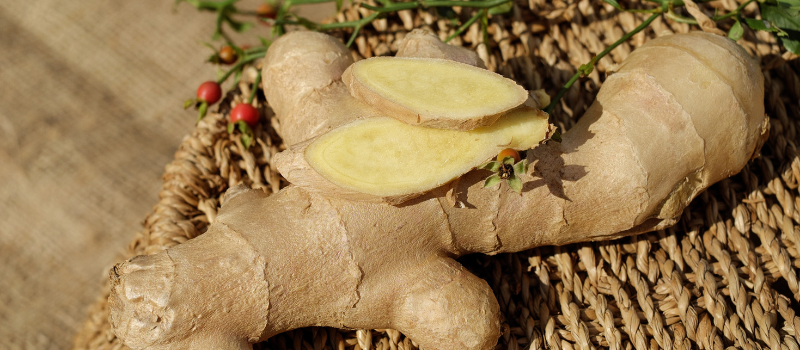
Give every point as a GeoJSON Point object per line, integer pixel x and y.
{"type": "Point", "coordinates": [266, 11]}
{"type": "Point", "coordinates": [210, 92]}
{"type": "Point", "coordinates": [245, 112]}
{"type": "Point", "coordinates": [508, 152]}
{"type": "Point", "coordinates": [227, 55]}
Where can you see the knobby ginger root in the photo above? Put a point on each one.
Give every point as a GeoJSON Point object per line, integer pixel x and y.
{"type": "Point", "coordinates": [385, 160]}
{"type": "Point", "coordinates": [298, 258]}
{"type": "Point", "coordinates": [303, 78]}
{"type": "Point", "coordinates": [430, 92]}
{"type": "Point", "coordinates": [302, 75]}
{"type": "Point", "coordinates": [424, 44]}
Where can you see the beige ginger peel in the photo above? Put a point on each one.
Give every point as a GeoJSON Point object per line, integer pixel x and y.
{"type": "Point", "coordinates": [300, 258]}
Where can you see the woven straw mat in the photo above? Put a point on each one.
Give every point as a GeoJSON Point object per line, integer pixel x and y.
{"type": "Point", "coordinates": [725, 276]}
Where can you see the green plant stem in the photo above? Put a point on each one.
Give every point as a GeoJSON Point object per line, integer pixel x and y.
{"type": "Point", "coordinates": [255, 88]}
{"type": "Point", "coordinates": [734, 12]}
{"type": "Point", "coordinates": [680, 19]}
{"type": "Point", "coordinates": [361, 23]}
{"type": "Point", "coordinates": [649, 11]}
{"type": "Point", "coordinates": [208, 5]}
{"type": "Point", "coordinates": [330, 26]}
{"type": "Point", "coordinates": [434, 3]}
{"type": "Point", "coordinates": [485, 31]}
{"type": "Point", "coordinates": [245, 60]}
{"type": "Point", "coordinates": [388, 7]}
{"type": "Point", "coordinates": [676, 2]}
{"type": "Point", "coordinates": [259, 50]}
{"type": "Point", "coordinates": [218, 28]}
{"type": "Point", "coordinates": [675, 17]}
{"type": "Point", "coordinates": [466, 24]}
{"type": "Point", "coordinates": [306, 2]}
{"type": "Point", "coordinates": [587, 68]}
{"type": "Point", "coordinates": [356, 25]}
{"type": "Point", "coordinates": [279, 29]}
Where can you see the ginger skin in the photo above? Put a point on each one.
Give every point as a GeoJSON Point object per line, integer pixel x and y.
{"type": "Point", "coordinates": [299, 258]}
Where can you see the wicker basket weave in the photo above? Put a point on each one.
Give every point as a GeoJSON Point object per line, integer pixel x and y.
{"type": "Point", "coordinates": [725, 276]}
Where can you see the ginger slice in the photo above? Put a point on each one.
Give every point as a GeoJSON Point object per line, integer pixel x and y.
{"type": "Point", "coordinates": [432, 92]}
{"type": "Point", "coordinates": [384, 160]}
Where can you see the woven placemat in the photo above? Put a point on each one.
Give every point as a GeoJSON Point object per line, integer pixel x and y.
{"type": "Point", "coordinates": [725, 275]}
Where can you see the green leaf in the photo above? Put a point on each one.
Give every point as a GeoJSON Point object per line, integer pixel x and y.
{"type": "Point", "coordinates": [790, 3]}
{"type": "Point", "coordinates": [508, 160]}
{"type": "Point", "coordinates": [501, 9]}
{"type": "Point", "coordinates": [492, 180]}
{"type": "Point", "coordinates": [586, 69]}
{"type": "Point", "coordinates": [556, 136]}
{"type": "Point", "coordinates": [521, 167]}
{"type": "Point", "coordinates": [791, 7]}
{"type": "Point", "coordinates": [613, 3]}
{"type": "Point", "coordinates": [214, 58]}
{"type": "Point", "coordinates": [247, 140]}
{"type": "Point", "coordinates": [492, 166]}
{"type": "Point", "coordinates": [788, 24]}
{"type": "Point", "coordinates": [736, 31]}
{"type": "Point", "coordinates": [767, 26]}
{"type": "Point", "coordinates": [230, 127]}
{"type": "Point", "coordinates": [202, 111]}
{"type": "Point", "coordinates": [515, 183]}
{"type": "Point", "coordinates": [189, 103]}
{"type": "Point", "coordinates": [791, 45]}
{"type": "Point", "coordinates": [244, 128]}
{"type": "Point", "coordinates": [339, 4]}
{"type": "Point", "coordinates": [264, 41]}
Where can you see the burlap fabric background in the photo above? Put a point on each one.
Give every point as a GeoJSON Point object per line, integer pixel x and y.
{"type": "Point", "coordinates": [90, 113]}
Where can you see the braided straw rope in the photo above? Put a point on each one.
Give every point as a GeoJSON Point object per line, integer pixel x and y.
{"type": "Point", "coordinates": [725, 276]}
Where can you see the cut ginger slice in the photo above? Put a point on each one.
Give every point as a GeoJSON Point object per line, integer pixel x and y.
{"type": "Point", "coordinates": [384, 160]}
{"type": "Point", "coordinates": [432, 92]}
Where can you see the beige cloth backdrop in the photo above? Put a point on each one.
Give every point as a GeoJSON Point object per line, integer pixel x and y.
{"type": "Point", "coordinates": [90, 113]}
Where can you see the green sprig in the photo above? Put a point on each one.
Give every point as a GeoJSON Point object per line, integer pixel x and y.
{"type": "Point", "coordinates": [466, 24]}
{"type": "Point", "coordinates": [247, 137]}
{"type": "Point", "coordinates": [587, 68]}
{"type": "Point", "coordinates": [505, 170]}
{"type": "Point", "coordinates": [255, 88]}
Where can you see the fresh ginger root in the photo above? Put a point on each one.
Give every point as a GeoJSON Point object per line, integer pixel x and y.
{"type": "Point", "coordinates": [297, 258]}
{"type": "Point", "coordinates": [436, 93]}
{"type": "Point", "coordinates": [421, 43]}
{"type": "Point", "coordinates": [385, 160]}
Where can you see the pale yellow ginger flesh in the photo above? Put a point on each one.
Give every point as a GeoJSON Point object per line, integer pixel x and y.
{"type": "Point", "coordinates": [297, 258]}
{"type": "Point", "coordinates": [385, 157]}
{"type": "Point", "coordinates": [432, 92]}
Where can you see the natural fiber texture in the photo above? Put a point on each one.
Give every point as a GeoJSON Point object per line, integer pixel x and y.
{"type": "Point", "coordinates": [90, 112]}
{"type": "Point", "coordinates": [725, 275]}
